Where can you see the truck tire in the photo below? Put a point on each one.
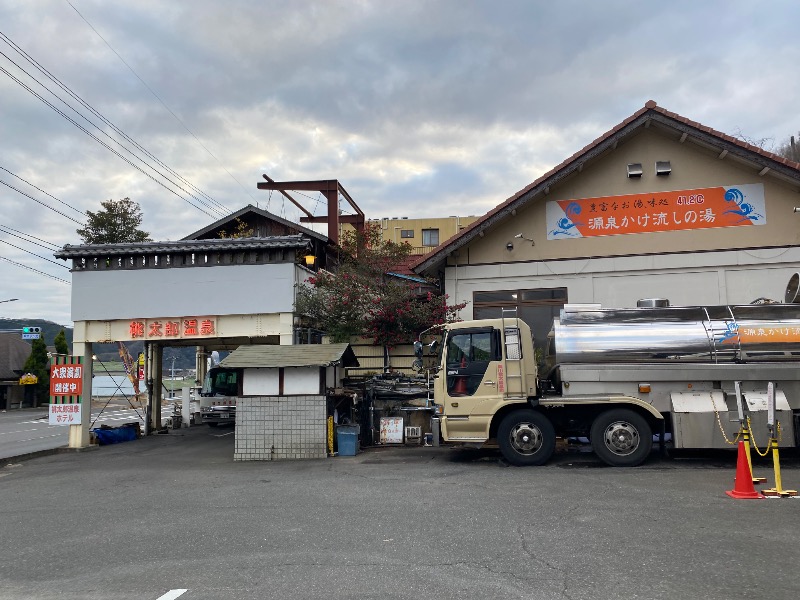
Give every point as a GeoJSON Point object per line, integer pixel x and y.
{"type": "Point", "coordinates": [526, 437]}
{"type": "Point", "coordinates": [621, 438]}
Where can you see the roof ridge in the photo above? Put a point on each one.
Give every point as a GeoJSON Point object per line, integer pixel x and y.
{"type": "Point", "coordinates": [649, 106]}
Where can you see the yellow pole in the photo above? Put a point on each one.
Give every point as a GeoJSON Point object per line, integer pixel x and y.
{"type": "Point", "coordinates": [746, 439]}
{"type": "Point", "coordinates": [778, 489]}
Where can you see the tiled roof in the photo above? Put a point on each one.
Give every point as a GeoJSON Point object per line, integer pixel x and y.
{"type": "Point", "coordinates": [216, 245]}
{"type": "Point", "coordinates": [260, 212]}
{"type": "Point", "coordinates": [304, 355]}
{"type": "Point", "coordinates": [638, 119]}
{"type": "Point", "coordinates": [13, 354]}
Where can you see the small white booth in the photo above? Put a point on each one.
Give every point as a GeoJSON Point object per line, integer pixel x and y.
{"type": "Point", "coordinates": [284, 408]}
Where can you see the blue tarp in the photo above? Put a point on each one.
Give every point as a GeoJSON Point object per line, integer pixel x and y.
{"type": "Point", "coordinates": [115, 436]}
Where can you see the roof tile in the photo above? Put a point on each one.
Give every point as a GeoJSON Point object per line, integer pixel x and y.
{"type": "Point", "coordinates": [650, 105]}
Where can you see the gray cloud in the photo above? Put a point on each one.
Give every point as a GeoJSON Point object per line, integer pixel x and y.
{"type": "Point", "coordinates": [418, 108]}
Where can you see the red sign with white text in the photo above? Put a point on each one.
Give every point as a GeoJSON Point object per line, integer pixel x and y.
{"type": "Point", "coordinates": [164, 329]}
{"type": "Point", "coordinates": [66, 380]}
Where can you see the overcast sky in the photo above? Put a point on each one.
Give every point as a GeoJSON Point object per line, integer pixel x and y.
{"type": "Point", "coordinates": [419, 108]}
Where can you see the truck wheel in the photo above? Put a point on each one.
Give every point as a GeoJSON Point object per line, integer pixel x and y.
{"type": "Point", "coordinates": [621, 438]}
{"type": "Point", "coordinates": [526, 437]}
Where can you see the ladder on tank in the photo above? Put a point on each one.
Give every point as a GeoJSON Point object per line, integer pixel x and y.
{"type": "Point", "coordinates": [513, 353]}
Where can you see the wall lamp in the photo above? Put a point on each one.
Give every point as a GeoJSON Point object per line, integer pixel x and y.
{"type": "Point", "coordinates": [519, 236]}
{"type": "Point", "coordinates": [310, 260]}
{"type": "Point", "coordinates": [509, 246]}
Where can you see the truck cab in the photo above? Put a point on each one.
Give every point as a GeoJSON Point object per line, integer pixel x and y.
{"type": "Point", "coordinates": [221, 387]}
{"type": "Point", "coordinates": [487, 368]}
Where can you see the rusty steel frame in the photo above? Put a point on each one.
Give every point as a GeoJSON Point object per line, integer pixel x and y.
{"type": "Point", "coordinates": [331, 189]}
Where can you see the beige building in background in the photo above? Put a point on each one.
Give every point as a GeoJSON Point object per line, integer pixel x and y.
{"type": "Point", "coordinates": [659, 206]}
{"type": "Point", "coordinates": [423, 235]}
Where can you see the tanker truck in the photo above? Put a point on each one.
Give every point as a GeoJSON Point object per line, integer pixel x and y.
{"type": "Point", "coordinates": [621, 378]}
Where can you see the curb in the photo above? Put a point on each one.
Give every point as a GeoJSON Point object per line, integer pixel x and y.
{"type": "Point", "coordinates": [48, 452]}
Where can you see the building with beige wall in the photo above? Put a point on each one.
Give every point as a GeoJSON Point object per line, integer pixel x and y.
{"type": "Point", "coordinates": [659, 206]}
{"type": "Point", "coordinates": [423, 235]}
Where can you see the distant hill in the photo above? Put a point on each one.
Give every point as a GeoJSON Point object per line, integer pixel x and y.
{"type": "Point", "coordinates": [184, 356]}
{"type": "Point", "coordinates": [49, 329]}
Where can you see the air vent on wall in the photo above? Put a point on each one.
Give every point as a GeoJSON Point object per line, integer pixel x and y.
{"type": "Point", "coordinates": [635, 170]}
{"type": "Point", "coordinates": [663, 168]}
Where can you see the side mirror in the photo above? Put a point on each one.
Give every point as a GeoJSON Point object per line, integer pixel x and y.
{"type": "Point", "coordinates": [418, 349]}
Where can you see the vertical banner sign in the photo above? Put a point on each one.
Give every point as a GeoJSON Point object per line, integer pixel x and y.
{"type": "Point", "coordinates": [141, 366]}
{"type": "Point", "coordinates": [66, 387]}
{"type": "Point", "coordinates": [501, 378]}
{"type": "Point", "coordinates": [651, 212]}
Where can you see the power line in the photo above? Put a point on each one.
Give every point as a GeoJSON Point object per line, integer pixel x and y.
{"type": "Point", "coordinates": [160, 100]}
{"type": "Point", "coordinates": [95, 138]}
{"type": "Point", "coordinates": [3, 229]}
{"type": "Point", "coordinates": [41, 190]}
{"type": "Point", "coordinates": [64, 87]}
{"type": "Point", "coordinates": [40, 202]}
{"type": "Point", "coordinates": [36, 255]}
{"type": "Point", "coordinates": [13, 262]}
{"type": "Point", "coordinates": [98, 140]}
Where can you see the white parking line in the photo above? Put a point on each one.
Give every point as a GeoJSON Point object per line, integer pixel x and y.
{"type": "Point", "coordinates": [172, 594]}
{"type": "Point", "coordinates": [117, 415]}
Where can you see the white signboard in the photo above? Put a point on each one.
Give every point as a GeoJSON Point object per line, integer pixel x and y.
{"type": "Point", "coordinates": [65, 414]}
{"type": "Point", "coordinates": [391, 430]}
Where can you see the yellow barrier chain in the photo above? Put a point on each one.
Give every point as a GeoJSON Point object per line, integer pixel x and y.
{"type": "Point", "coordinates": [752, 439]}
{"type": "Point", "coordinates": [724, 435]}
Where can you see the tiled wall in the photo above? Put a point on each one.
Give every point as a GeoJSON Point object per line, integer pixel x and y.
{"type": "Point", "coordinates": [280, 427]}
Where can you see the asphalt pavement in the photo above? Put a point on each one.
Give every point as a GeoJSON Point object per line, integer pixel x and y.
{"type": "Point", "coordinates": [26, 432]}
{"type": "Point", "coordinates": [172, 515]}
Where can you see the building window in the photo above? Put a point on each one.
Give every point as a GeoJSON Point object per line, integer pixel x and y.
{"type": "Point", "coordinates": [537, 307]}
{"type": "Point", "coordinates": [407, 233]}
{"type": "Point", "coordinates": [430, 237]}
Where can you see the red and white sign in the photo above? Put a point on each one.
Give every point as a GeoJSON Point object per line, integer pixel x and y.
{"type": "Point", "coordinates": [159, 329]}
{"type": "Point", "coordinates": [65, 414]}
{"type": "Point", "coordinates": [66, 380]}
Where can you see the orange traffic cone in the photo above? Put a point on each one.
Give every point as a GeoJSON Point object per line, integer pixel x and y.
{"type": "Point", "coordinates": [743, 483]}
{"type": "Point", "coordinates": [460, 386]}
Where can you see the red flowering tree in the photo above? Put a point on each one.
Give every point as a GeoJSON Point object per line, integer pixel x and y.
{"type": "Point", "coordinates": [361, 299]}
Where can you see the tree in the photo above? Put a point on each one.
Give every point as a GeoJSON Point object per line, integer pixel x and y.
{"type": "Point", "coordinates": [361, 299]}
{"type": "Point", "coordinates": [243, 230]}
{"type": "Point", "coordinates": [38, 363]}
{"type": "Point", "coordinates": [790, 148]}
{"type": "Point", "coordinates": [118, 222]}
{"type": "Point", "coordinates": [60, 342]}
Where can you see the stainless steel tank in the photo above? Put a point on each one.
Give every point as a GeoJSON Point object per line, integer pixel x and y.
{"type": "Point", "coordinates": [716, 334]}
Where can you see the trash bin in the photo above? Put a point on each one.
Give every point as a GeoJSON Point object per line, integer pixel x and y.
{"type": "Point", "coordinates": [347, 439]}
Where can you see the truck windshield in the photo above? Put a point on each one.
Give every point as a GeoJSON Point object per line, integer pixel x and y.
{"type": "Point", "coordinates": [469, 347]}
{"type": "Point", "coordinates": [469, 352]}
{"type": "Point", "coordinates": [221, 382]}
